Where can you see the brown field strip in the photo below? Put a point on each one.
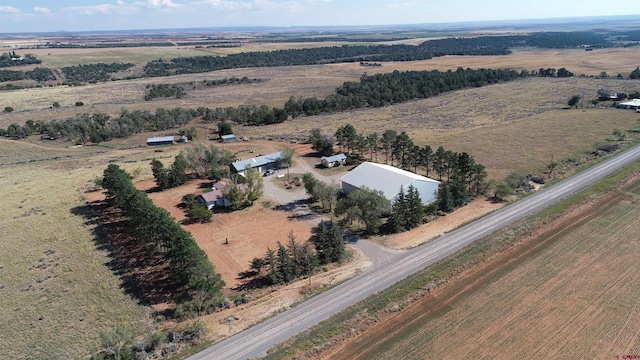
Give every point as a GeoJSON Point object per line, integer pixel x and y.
{"type": "Point", "coordinates": [569, 291]}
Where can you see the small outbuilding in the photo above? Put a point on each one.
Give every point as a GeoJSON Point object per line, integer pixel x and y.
{"type": "Point", "coordinates": [389, 179]}
{"type": "Point", "coordinates": [261, 163]}
{"type": "Point", "coordinates": [160, 140]}
{"type": "Point", "coordinates": [333, 161]}
{"type": "Point", "coordinates": [228, 138]}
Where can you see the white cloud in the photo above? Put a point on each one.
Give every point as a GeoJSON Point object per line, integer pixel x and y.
{"type": "Point", "coordinates": [161, 4]}
{"type": "Point", "coordinates": [9, 10]}
{"type": "Point", "coordinates": [41, 10]}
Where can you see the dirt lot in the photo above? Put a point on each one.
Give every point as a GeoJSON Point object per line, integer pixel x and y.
{"type": "Point", "coordinates": [567, 291]}
{"type": "Point", "coordinates": [441, 225]}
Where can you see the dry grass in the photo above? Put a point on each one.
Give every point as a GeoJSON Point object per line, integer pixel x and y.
{"type": "Point", "coordinates": [302, 81]}
{"type": "Point", "coordinates": [518, 125]}
{"type": "Point", "coordinates": [54, 305]}
{"type": "Point", "coordinates": [575, 297]}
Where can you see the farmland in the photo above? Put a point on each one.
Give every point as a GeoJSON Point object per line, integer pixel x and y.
{"type": "Point", "coordinates": [568, 291]}
{"type": "Point", "coordinates": [58, 287]}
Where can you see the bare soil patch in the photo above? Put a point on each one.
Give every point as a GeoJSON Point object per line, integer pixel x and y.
{"type": "Point", "coordinates": [565, 291]}
{"type": "Point", "coordinates": [440, 225]}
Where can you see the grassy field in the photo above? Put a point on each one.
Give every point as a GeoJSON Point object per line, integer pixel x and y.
{"type": "Point", "coordinates": [573, 297]}
{"type": "Point", "coordinates": [55, 303]}
{"type": "Point", "coordinates": [57, 291]}
{"type": "Point", "coordinates": [321, 80]}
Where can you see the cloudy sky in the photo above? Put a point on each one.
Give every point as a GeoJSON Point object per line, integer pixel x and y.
{"type": "Point", "coordinates": [83, 15]}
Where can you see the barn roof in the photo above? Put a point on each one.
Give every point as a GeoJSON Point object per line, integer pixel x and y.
{"type": "Point", "coordinates": [158, 139]}
{"type": "Point", "coordinates": [634, 102]}
{"type": "Point", "coordinates": [338, 157]}
{"type": "Point", "coordinates": [257, 161]}
{"type": "Point", "coordinates": [385, 178]}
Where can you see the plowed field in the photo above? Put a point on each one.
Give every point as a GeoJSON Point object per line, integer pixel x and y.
{"type": "Point", "coordinates": [570, 291]}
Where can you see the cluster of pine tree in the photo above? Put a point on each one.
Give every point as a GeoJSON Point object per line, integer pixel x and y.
{"type": "Point", "coordinates": [169, 178]}
{"type": "Point", "coordinates": [100, 127]}
{"type": "Point", "coordinates": [6, 59]}
{"type": "Point", "coordinates": [407, 211]}
{"type": "Point", "coordinates": [93, 72]}
{"type": "Point", "coordinates": [38, 74]}
{"type": "Point", "coordinates": [189, 266]}
{"type": "Point", "coordinates": [164, 90]}
{"type": "Point", "coordinates": [296, 260]}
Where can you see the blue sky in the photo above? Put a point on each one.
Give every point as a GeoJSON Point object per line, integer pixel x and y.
{"type": "Point", "coordinates": [84, 15]}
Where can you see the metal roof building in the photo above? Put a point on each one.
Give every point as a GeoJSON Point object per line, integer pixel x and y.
{"type": "Point", "coordinates": [160, 140]}
{"type": "Point", "coordinates": [262, 163]}
{"type": "Point", "coordinates": [335, 160]}
{"type": "Point", "coordinates": [630, 104]}
{"type": "Point", "coordinates": [228, 138]}
{"type": "Point", "coordinates": [389, 179]}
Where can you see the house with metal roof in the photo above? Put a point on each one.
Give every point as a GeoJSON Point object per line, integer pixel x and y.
{"type": "Point", "coordinates": [261, 163]}
{"type": "Point", "coordinates": [389, 179]}
{"type": "Point", "coordinates": [160, 140]}
{"type": "Point", "coordinates": [335, 160]}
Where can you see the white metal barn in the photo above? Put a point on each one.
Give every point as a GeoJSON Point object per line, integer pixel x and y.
{"type": "Point", "coordinates": [261, 163]}
{"type": "Point", "coordinates": [389, 179]}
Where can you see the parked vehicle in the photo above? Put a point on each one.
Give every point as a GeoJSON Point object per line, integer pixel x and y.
{"type": "Point", "coordinates": [269, 172]}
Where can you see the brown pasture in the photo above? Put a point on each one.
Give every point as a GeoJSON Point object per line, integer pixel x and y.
{"type": "Point", "coordinates": [568, 291]}
{"type": "Point", "coordinates": [518, 125]}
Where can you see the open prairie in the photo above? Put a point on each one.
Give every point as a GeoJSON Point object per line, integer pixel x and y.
{"type": "Point", "coordinates": [57, 291]}
{"type": "Point", "coordinates": [58, 288]}
{"type": "Point", "coordinates": [305, 81]}
{"type": "Point", "coordinates": [569, 291]}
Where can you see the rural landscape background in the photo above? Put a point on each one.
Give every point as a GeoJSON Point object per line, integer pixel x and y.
{"type": "Point", "coordinates": [560, 284]}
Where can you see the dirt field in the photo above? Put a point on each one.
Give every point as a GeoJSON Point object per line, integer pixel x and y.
{"type": "Point", "coordinates": [568, 291]}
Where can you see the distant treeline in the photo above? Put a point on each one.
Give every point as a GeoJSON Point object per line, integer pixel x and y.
{"type": "Point", "coordinates": [231, 80]}
{"type": "Point", "coordinates": [485, 45]}
{"type": "Point", "coordinates": [6, 59]}
{"type": "Point", "coordinates": [104, 45]}
{"type": "Point", "coordinates": [323, 55]}
{"type": "Point", "coordinates": [39, 74]}
{"type": "Point", "coordinates": [330, 39]}
{"type": "Point", "coordinates": [93, 72]}
{"type": "Point", "coordinates": [100, 127]}
{"type": "Point", "coordinates": [372, 91]}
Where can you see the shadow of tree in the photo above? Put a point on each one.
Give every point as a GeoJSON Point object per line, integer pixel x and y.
{"type": "Point", "coordinates": [143, 272]}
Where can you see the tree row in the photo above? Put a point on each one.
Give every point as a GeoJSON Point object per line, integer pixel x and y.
{"type": "Point", "coordinates": [191, 271]}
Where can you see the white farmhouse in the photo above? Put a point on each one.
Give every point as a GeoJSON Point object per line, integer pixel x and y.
{"type": "Point", "coordinates": [389, 179]}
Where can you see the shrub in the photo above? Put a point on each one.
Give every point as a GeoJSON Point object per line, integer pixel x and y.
{"type": "Point", "coordinates": [56, 104]}
{"type": "Point", "coordinates": [8, 109]}
{"type": "Point", "coordinates": [79, 103]}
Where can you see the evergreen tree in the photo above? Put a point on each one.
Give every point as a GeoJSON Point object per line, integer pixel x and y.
{"type": "Point", "coordinates": [445, 201]}
{"type": "Point", "coordinates": [272, 264]}
{"type": "Point", "coordinates": [178, 172]}
{"type": "Point", "coordinates": [284, 264]}
{"type": "Point", "coordinates": [399, 212]}
{"type": "Point", "coordinates": [160, 174]}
